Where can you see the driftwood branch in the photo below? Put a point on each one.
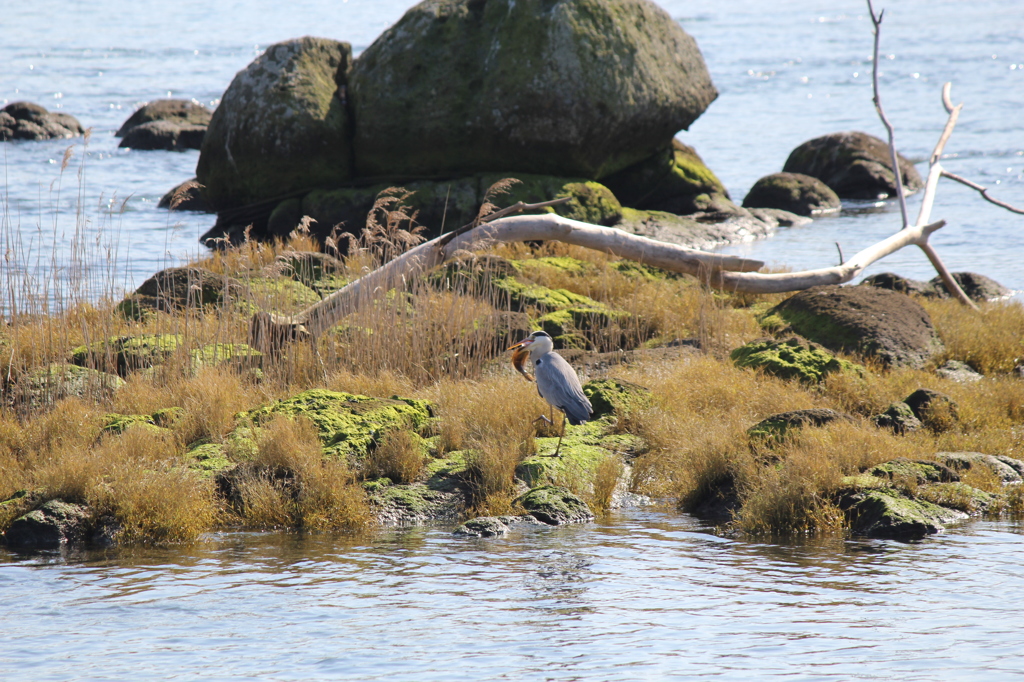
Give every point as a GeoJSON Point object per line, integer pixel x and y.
{"type": "Point", "coordinates": [876, 21]}
{"type": "Point", "coordinates": [983, 191]}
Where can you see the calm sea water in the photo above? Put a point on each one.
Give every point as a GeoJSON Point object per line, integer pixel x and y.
{"type": "Point", "coordinates": [639, 595]}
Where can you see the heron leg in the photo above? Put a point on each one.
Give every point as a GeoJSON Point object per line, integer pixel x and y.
{"type": "Point", "coordinates": [543, 417]}
{"type": "Point", "coordinates": [557, 447]}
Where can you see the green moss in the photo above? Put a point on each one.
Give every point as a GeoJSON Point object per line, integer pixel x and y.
{"type": "Point", "coordinates": [555, 505]}
{"type": "Point", "coordinates": [583, 448]}
{"type": "Point", "coordinates": [957, 495]}
{"type": "Point", "coordinates": [281, 294]}
{"type": "Point", "coordinates": [168, 416]}
{"type": "Point", "coordinates": [377, 485]}
{"type": "Point", "coordinates": [208, 458]}
{"type": "Point", "coordinates": [126, 353]}
{"type": "Point", "coordinates": [349, 425]}
{"type": "Point", "coordinates": [886, 513]}
{"type": "Point", "coordinates": [615, 396]}
{"type": "Point", "coordinates": [791, 359]}
{"type": "Point", "coordinates": [119, 423]}
{"type": "Point", "coordinates": [217, 353]}
{"type": "Point", "coordinates": [917, 470]}
{"type": "Point", "coordinates": [525, 295]}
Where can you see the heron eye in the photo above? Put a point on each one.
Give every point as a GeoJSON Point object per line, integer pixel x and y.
{"type": "Point", "coordinates": [537, 363]}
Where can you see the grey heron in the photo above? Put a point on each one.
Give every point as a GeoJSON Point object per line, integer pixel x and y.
{"type": "Point", "coordinates": [557, 382]}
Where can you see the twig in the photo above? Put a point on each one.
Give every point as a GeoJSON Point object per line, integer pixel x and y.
{"type": "Point", "coordinates": [840, 250]}
{"type": "Point", "coordinates": [982, 190]}
{"type": "Point", "coordinates": [876, 20]}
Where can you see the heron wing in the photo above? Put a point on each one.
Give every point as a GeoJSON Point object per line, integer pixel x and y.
{"type": "Point", "coordinates": [558, 384]}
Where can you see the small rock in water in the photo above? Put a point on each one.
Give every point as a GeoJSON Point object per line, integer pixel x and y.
{"type": "Point", "coordinates": [54, 524]}
{"type": "Point", "coordinates": [555, 506]}
{"type": "Point", "coordinates": [482, 526]}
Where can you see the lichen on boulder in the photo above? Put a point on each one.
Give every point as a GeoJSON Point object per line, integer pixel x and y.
{"type": "Point", "coordinates": [282, 125]}
{"type": "Point", "coordinates": [572, 87]}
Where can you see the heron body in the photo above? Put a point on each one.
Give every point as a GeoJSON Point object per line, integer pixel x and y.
{"type": "Point", "coordinates": [556, 380]}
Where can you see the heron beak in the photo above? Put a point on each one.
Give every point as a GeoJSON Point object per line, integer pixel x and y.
{"type": "Point", "coordinates": [522, 344]}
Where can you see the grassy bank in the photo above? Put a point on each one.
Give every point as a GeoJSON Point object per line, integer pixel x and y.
{"type": "Point", "coordinates": [197, 432]}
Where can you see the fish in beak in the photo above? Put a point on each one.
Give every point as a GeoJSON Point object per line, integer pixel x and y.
{"type": "Point", "coordinates": [520, 356]}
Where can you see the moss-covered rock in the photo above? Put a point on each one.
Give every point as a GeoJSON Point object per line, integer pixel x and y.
{"type": "Point", "coordinates": [119, 423]}
{"type": "Point", "coordinates": [791, 359]}
{"type": "Point", "coordinates": [936, 410]}
{"type": "Point", "coordinates": [281, 125]}
{"type": "Point", "coordinates": [959, 496]}
{"type": "Point", "coordinates": [176, 289]}
{"type": "Point", "coordinates": [674, 179]}
{"type": "Point", "coordinates": [898, 417]}
{"type": "Point", "coordinates": [854, 164]}
{"type": "Point", "coordinates": [283, 295]}
{"type": "Point", "coordinates": [793, 192]}
{"type": "Point", "coordinates": [123, 354]}
{"type": "Point", "coordinates": [483, 527]}
{"type": "Point", "coordinates": [555, 506]}
{"type": "Point", "coordinates": [208, 458]}
{"type": "Point", "coordinates": [400, 505]}
{"type": "Point", "coordinates": [615, 396]}
{"type": "Point", "coordinates": [582, 451]}
{"type": "Point", "coordinates": [589, 201]}
{"type": "Point", "coordinates": [777, 426]}
{"type": "Point", "coordinates": [886, 325]}
{"type": "Point", "coordinates": [573, 88]}
{"type": "Point", "coordinates": [889, 514]}
{"type": "Point", "coordinates": [1008, 470]}
{"type": "Point", "coordinates": [52, 525]}
{"type": "Point", "coordinates": [349, 425]}
{"type": "Point", "coordinates": [45, 386]}
{"type": "Point", "coordinates": [597, 328]}
{"type": "Point", "coordinates": [919, 471]}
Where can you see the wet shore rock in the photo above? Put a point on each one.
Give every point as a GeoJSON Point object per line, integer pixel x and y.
{"type": "Point", "coordinates": [793, 192]}
{"type": "Point", "coordinates": [854, 165]}
{"type": "Point", "coordinates": [28, 121]}
{"type": "Point", "coordinates": [168, 124]}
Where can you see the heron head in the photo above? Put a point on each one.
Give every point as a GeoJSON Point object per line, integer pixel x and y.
{"type": "Point", "coordinates": [537, 343]}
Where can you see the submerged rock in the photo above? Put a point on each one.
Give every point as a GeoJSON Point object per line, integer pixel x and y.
{"type": "Point", "coordinates": [570, 87]}
{"type": "Point", "coordinates": [886, 325]}
{"type": "Point", "coordinates": [793, 192]}
{"type": "Point", "coordinates": [854, 164]}
{"type": "Point", "coordinates": [28, 121]}
{"type": "Point", "coordinates": [555, 506]}
{"type": "Point", "coordinates": [482, 526]}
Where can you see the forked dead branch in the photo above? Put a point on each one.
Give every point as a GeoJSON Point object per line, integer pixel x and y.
{"type": "Point", "coordinates": [719, 271]}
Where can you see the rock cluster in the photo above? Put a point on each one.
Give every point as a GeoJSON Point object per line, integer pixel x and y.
{"type": "Point", "coordinates": [28, 121]}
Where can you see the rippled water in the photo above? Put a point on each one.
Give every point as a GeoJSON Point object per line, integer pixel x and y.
{"type": "Point", "coordinates": [638, 595]}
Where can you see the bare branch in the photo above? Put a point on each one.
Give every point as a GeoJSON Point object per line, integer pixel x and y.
{"type": "Point", "coordinates": [952, 286]}
{"type": "Point", "coordinates": [982, 190]}
{"type": "Point", "coordinates": [877, 22]}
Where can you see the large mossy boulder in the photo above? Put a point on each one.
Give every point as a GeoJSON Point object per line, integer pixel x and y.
{"type": "Point", "coordinates": [282, 125]}
{"type": "Point", "coordinates": [563, 87]}
{"type": "Point", "coordinates": [885, 325]}
{"type": "Point", "coordinates": [28, 121]}
{"type": "Point", "coordinates": [793, 192]}
{"type": "Point", "coordinates": [854, 164]}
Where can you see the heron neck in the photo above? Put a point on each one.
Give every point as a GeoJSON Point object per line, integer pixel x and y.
{"type": "Point", "coordinates": [540, 348]}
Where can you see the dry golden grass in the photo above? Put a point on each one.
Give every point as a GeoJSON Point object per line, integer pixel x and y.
{"type": "Point", "coordinates": [607, 475]}
{"type": "Point", "coordinates": [990, 340]}
{"type": "Point", "coordinates": [290, 483]}
{"type": "Point", "coordinates": [210, 399]}
{"type": "Point", "coordinates": [400, 457]}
